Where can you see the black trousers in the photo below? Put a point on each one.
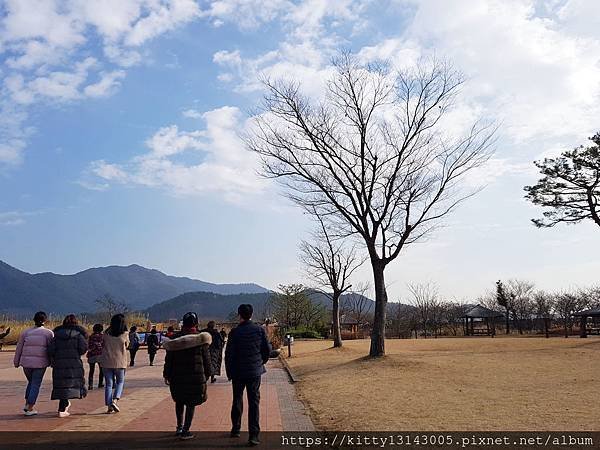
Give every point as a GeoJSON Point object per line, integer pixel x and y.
{"type": "Point", "coordinates": [132, 356]}
{"type": "Point", "coordinates": [189, 415]}
{"type": "Point", "coordinates": [252, 386]}
{"type": "Point", "coordinates": [62, 405]}
{"type": "Point", "coordinates": [91, 375]}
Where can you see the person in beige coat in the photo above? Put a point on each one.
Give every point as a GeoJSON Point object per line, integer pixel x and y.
{"type": "Point", "coordinates": [114, 361]}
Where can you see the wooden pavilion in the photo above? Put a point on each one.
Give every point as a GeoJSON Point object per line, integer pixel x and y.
{"type": "Point", "coordinates": [349, 327]}
{"type": "Point", "coordinates": [584, 329]}
{"type": "Point", "coordinates": [481, 314]}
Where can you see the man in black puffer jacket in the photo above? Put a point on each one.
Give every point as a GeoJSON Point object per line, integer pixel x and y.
{"type": "Point", "coordinates": [246, 354]}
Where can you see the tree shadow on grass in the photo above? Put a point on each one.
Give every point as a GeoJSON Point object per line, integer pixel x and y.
{"type": "Point", "coordinates": [360, 363]}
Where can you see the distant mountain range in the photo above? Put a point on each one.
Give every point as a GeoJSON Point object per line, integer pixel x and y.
{"type": "Point", "coordinates": [209, 305]}
{"type": "Point", "coordinates": [22, 293]}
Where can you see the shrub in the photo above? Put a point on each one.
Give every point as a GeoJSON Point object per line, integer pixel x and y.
{"type": "Point", "coordinates": [306, 333]}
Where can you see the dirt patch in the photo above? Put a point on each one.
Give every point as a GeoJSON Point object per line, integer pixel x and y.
{"type": "Point", "coordinates": [452, 384]}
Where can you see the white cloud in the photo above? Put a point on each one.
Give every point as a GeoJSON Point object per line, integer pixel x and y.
{"type": "Point", "coordinates": [112, 19]}
{"type": "Point", "coordinates": [106, 85]}
{"type": "Point", "coordinates": [109, 172]}
{"type": "Point", "coordinates": [35, 53]}
{"type": "Point", "coordinates": [247, 14]}
{"type": "Point", "coordinates": [580, 17]}
{"type": "Point", "coordinates": [40, 19]}
{"type": "Point", "coordinates": [123, 57]}
{"type": "Point", "coordinates": [59, 85]}
{"type": "Point", "coordinates": [226, 58]}
{"type": "Point", "coordinates": [533, 66]}
{"type": "Point", "coordinates": [210, 160]}
{"type": "Point", "coordinates": [534, 72]}
{"type": "Point", "coordinates": [10, 151]}
{"type": "Point", "coordinates": [191, 114]}
{"type": "Point", "coordinates": [13, 134]}
{"type": "Point", "coordinates": [46, 45]}
{"type": "Point", "coordinates": [13, 218]}
{"type": "Point", "coordinates": [170, 141]}
{"type": "Point", "coordinates": [311, 39]}
{"type": "Point", "coordinates": [162, 17]}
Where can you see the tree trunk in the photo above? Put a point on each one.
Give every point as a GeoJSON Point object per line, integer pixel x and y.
{"type": "Point", "coordinates": [583, 327]}
{"type": "Point", "coordinates": [378, 332]}
{"type": "Point", "coordinates": [337, 333]}
{"type": "Point", "coordinates": [507, 321]}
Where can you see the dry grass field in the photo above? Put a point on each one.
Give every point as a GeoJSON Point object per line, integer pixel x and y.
{"type": "Point", "coordinates": [452, 384]}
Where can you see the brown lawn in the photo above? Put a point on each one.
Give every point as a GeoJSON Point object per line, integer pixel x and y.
{"type": "Point", "coordinates": [452, 384]}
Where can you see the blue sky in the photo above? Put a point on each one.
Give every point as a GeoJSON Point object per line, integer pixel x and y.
{"type": "Point", "coordinates": [119, 128]}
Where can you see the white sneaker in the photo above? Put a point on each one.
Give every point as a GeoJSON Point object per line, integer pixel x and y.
{"type": "Point", "coordinates": [63, 414]}
{"type": "Point", "coordinates": [68, 406]}
{"type": "Point", "coordinates": [32, 412]}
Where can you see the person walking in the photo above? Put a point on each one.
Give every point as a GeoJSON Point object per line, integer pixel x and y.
{"type": "Point", "coordinates": [246, 354]}
{"type": "Point", "coordinates": [215, 349]}
{"type": "Point", "coordinates": [114, 361]}
{"type": "Point", "coordinates": [3, 333]}
{"type": "Point", "coordinates": [65, 350]}
{"type": "Point", "coordinates": [186, 370]}
{"type": "Point", "coordinates": [134, 344]}
{"type": "Point", "coordinates": [153, 344]}
{"type": "Point", "coordinates": [170, 332]}
{"type": "Point", "coordinates": [93, 355]}
{"type": "Point", "coordinates": [32, 354]}
{"type": "Point", "coordinates": [223, 334]}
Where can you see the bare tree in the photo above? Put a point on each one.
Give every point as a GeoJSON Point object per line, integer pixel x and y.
{"type": "Point", "coordinates": [289, 303]}
{"type": "Point", "coordinates": [357, 303]}
{"type": "Point", "coordinates": [373, 157]}
{"type": "Point", "coordinates": [565, 304]}
{"type": "Point", "coordinates": [330, 263]}
{"type": "Point", "coordinates": [453, 314]}
{"type": "Point", "coordinates": [404, 320]}
{"type": "Point", "coordinates": [107, 306]}
{"type": "Point", "coordinates": [521, 293]}
{"type": "Point", "coordinates": [543, 303]}
{"type": "Point", "coordinates": [293, 307]}
{"type": "Point", "coordinates": [591, 296]}
{"type": "Point", "coordinates": [425, 299]}
{"type": "Point", "coordinates": [543, 306]}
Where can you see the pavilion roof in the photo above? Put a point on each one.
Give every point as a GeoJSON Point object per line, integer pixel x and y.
{"type": "Point", "coordinates": [345, 320]}
{"type": "Point", "coordinates": [595, 312]}
{"type": "Point", "coordinates": [481, 312]}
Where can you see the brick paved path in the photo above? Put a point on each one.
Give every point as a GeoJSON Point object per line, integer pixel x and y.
{"type": "Point", "coordinates": [146, 404]}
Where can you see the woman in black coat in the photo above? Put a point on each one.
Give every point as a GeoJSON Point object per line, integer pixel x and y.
{"type": "Point", "coordinates": [215, 349]}
{"type": "Point", "coordinates": [187, 368]}
{"type": "Point", "coordinates": [65, 351]}
{"type": "Point", "coordinates": [153, 344]}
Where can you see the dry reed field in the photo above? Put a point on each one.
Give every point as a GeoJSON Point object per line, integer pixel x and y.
{"type": "Point", "coordinates": [482, 384]}
{"type": "Point", "coordinates": [18, 326]}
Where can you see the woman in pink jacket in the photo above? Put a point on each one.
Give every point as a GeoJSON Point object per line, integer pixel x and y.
{"type": "Point", "coordinates": [32, 355]}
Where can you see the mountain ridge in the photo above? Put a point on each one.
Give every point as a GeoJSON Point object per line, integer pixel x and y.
{"type": "Point", "coordinates": [22, 293]}
{"type": "Point", "coordinates": [209, 305]}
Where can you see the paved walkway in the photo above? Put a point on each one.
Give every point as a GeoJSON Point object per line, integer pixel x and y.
{"type": "Point", "coordinates": [146, 404]}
